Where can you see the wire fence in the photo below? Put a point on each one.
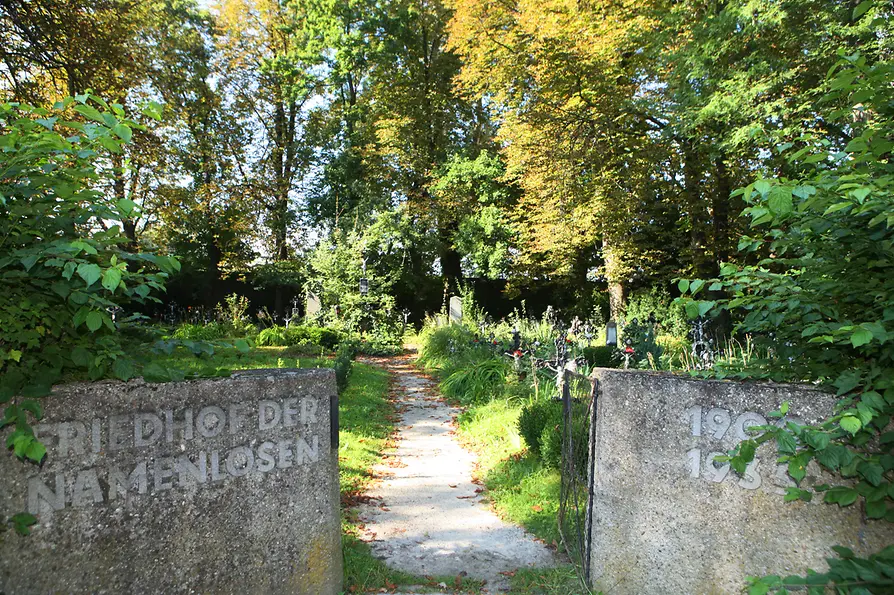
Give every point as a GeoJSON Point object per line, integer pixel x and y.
{"type": "Point", "coordinates": [579, 394]}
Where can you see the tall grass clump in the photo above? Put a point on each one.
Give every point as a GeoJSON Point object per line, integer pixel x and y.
{"type": "Point", "coordinates": [478, 382]}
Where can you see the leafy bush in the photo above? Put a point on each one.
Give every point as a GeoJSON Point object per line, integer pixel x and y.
{"type": "Point", "coordinates": [534, 418]}
{"type": "Point", "coordinates": [551, 440]}
{"type": "Point", "coordinates": [670, 316]}
{"type": "Point", "coordinates": [602, 356]}
{"type": "Point", "coordinates": [274, 336]}
{"type": "Point", "coordinates": [441, 344]}
{"type": "Point", "coordinates": [821, 298]}
{"type": "Point", "coordinates": [305, 336]}
{"type": "Point", "coordinates": [212, 331]}
{"type": "Point", "coordinates": [318, 335]}
{"type": "Point", "coordinates": [344, 362]}
{"type": "Point", "coordinates": [380, 346]}
{"type": "Point", "coordinates": [478, 382]}
{"type": "Point", "coordinates": [64, 262]}
{"type": "Point", "coordinates": [644, 342]}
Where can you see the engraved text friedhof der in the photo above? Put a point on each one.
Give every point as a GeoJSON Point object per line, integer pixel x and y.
{"type": "Point", "coordinates": [141, 429]}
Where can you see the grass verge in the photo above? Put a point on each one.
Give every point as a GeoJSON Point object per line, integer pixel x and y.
{"type": "Point", "coordinates": [228, 358]}
{"type": "Point", "coordinates": [520, 488]}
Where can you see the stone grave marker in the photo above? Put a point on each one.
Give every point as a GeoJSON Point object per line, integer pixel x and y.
{"type": "Point", "coordinates": [667, 518]}
{"type": "Point", "coordinates": [456, 309]}
{"type": "Point", "coordinates": [225, 485]}
{"type": "Point", "coordinates": [312, 311]}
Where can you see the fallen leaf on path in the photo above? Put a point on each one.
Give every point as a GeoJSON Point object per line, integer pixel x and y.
{"type": "Point", "coordinates": [465, 497]}
{"type": "Point", "coordinates": [537, 508]}
{"type": "Point", "coordinates": [452, 485]}
{"type": "Point", "coordinates": [508, 573]}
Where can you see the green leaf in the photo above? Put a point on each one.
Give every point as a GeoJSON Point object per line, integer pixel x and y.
{"type": "Point", "coordinates": [94, 321]}
{"type": "Point", "coordinates": [860, 194]}
{"type": "Point", "coordinates": [805, 191]}
{"type": "Point", "coordinates": [780, 199]}
{"type": "Point", "coordinates": [111, 279]}
{"type": "Point", "coordinates": [843, 552]}
{"type": "Point", "coordinates": [797, 467]}
{"type": "Point", "coordinates": [705, 307]}
{"type": "Point", "coordinates": [36, 451]}
{"type": "Point", "coordinates": [242, 345]}
{"type": "Point", "coordinates": [683, 285]}
{"type": "Point", "coordinates": [762, 186]}
{"type": "Point", "coordinates": [861, 8]}
{"type": "Point", "coordinates": [34, 408]}
{"type": "Point", "coordinates": [739, 462]}
{"type": "Point", "coordinates": [123, 132]}
{"type": "Point", "coordinates": [155, 372]}
{"type": "Point", "coordinates": [785, 443]}
{"type": "Point", "coordinates": [90, 112]}
{"type": "Point", "coordinates": [871, 472]}
{"type": "Point", "coordinates": [850, 424]}
{"type": "Point", "coordinates": [22, 522]}
{"type": "Point", "coordinates": [842, 496]}
{"type": "Point", "coordinates": [877, 509]}
{"type": "Point", "coordinates": [89, 272]}
{"type": "Point", "coordinates": [861, 336]}
{"type": "Point", "coordinates": [123, 369]}
{"type": "Point", "coordinates": [29, 261]}
{"type": "Point", "coordinates": [127, 206]}
{"type": "Point", "coordinates": [837, 207]}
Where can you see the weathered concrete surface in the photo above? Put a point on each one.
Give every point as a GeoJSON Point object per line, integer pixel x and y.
{"type": "Point", "coordinates": [427, 517]}
{"type": "Point", "coordinates": [668, 520]}
{"type": "Point", "coordinates": [209, 486]}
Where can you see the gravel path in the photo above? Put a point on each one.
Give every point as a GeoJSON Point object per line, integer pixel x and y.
{"type": "Point", "coordinates": [426, 516]}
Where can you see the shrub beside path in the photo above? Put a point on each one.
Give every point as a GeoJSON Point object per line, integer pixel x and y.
{"type": "Point", "coordinates": [425, 516]}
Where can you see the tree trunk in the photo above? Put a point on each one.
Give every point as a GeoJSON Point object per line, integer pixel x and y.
{"type": "Point", "coordinates": [721, 208]}
{"type": "Point", "coordinates": [617, 299]}
{"type": "Point", "coordinates": [451, 262]}
{"type": "Point", "coordinates": [692, 175]}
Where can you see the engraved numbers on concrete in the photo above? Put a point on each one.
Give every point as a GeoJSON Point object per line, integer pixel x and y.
{"type": "Point", "coordinates": [713, 425]}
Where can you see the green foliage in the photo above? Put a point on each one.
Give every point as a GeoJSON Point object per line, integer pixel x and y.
{"type": "Point", "coordinates": [336, 266]}
{"type": "Point", "coordinates": [344, 361]}
{"type": "Point", "coordinates": [299, 335]}
{"type": "Point", "coordinates": [213, 331]}
{"type": "Point", "coordinates": [472, 191]}
{"type": "Point", "coordinates": [274, 336]}
{"type": "Point", "coordinates": [647, 351]}
{"type": "Point", "coordinates": [821, 296]}
{"type": "Point", "coordinates": [846, 574]}
{"type": "Point", "coordinates": [65, 264]}
{"type": "Point", "coordinates": [551, 441]}
{"type": "Point", "coordinates": [442, 346]}
{"type": "Point", "coordinates": [534, 420]}
{"type": "Point", "coordinates": [602, 356]}
{"type": "Point", "coordinates": [477, 382]}
{"type": "Point", "coordinates": [671, 317]}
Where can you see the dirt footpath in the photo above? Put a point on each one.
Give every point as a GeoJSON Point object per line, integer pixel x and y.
{"type": "Point", "coordinates": [426, 516]}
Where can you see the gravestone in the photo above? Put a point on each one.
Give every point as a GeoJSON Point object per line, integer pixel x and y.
{"type": "Point", "coordinates": [456, 309]}
{"type": "Point", "coordinates": [225, 485]}
{"type": "Point", "coordinates": [312, 311]}
{"type": "Point", "coordinates": [667, 518]}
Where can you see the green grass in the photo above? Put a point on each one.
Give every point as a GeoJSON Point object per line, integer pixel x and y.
{"type": "Point", "coordinates": [231, 359]}
{"type": "Point", "coordinates": [520, 488]}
